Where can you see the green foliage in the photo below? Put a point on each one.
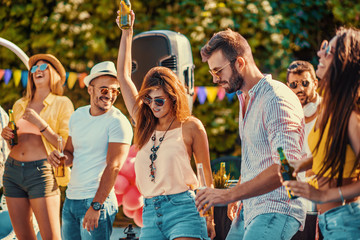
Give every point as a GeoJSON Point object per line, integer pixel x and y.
{"type": "Point", "coordinates": [83, 32]}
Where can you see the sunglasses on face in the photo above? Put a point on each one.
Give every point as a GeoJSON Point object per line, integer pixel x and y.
{"type": "Point", "coordinates": [158, 101]}
{"type": "Point", "coordinates": [42, 67]}
{"type": "Point", "coordinates": [325, 46]}
{"type": "Point", "coordinates": [215, 73]}
{"type": "Point", "coordinates": [304, 83]}
{"type": "Point", "coordinates": [105, 91]}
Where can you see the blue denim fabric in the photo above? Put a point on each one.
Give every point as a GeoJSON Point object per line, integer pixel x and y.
{"type": "Point", "coordinates": [73, 214]}
{"type": "Point", "coordinates": [264, 226]}
{"type": "Point", "coordinates": [341, 222]}
{"type": "Point", "coordinates": [172, 216]}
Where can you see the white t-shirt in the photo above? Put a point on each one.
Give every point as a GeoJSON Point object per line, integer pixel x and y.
{"type": "Point", "coordinates": [90, 138]}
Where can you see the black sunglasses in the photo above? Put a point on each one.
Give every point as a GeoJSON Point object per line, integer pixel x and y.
{"type": "Point", "coordinates": [158, 101]}
{"type": "Point", "coordinates": [304, 83]}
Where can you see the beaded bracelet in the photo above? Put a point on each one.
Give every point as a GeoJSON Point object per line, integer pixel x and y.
{"type": "Point", "coordinates": [44, 128]}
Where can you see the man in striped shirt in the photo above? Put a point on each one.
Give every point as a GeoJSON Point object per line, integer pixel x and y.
{"type": "Point", "coordinates": [270, 116]}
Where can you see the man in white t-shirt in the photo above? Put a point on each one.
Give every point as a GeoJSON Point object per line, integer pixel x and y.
{"type": "Point", "coordinates": [98, 144]}
{"type": "Point", "coordinates": [301, 79]}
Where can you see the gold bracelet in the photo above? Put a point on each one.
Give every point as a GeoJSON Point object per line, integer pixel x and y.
{"type": "Point", "coordinates": [44, 128]}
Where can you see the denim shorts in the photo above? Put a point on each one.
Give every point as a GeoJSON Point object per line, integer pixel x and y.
{"type": "Point", "coordinates": [73, 214]}
{"type": "Point", "coordinates": [33, 179]}
{"type": "Point", "coordinates": [172, 216]}
{"type": "Point", "coordinates": [341, 222]}
{"type": "Point", "coordinates": [268, 226]}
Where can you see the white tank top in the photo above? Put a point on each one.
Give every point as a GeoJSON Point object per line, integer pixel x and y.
{"type": "Point", "coordinates": [173, 170]}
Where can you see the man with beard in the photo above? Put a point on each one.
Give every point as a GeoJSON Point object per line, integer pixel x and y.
{"type": "Point", "coordinates": [270, 117]}
{"type": "Point", "coordinates": [302, 80]}
{"type": "Point", "coordinates": [98, 144]}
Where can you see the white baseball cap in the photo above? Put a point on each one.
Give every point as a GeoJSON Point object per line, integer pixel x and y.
{"type": "Point", "coordinates": [101, 69]}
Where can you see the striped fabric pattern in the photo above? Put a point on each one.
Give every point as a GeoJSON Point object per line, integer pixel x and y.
{"type": "Point", "coordinates": [273, 118]}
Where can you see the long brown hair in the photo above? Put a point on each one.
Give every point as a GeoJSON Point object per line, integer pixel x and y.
{"type": "Point", "coordinates": [56, 86]}
{"type": "Point", "coordinates": [340, 87]}
{"type": "Point", "coordinates": [164, 78]}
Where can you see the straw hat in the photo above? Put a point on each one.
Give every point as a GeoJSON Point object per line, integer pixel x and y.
{"type": "Point", "coordinates": [101, 69]}
{"type": "Point", "coordinates": [52, 60]}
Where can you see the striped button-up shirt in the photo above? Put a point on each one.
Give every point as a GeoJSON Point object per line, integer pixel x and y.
{"type": "Point", "coordinates": [273, 118]}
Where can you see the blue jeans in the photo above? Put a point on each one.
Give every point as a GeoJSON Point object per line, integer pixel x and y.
{"type": "Point", "coordinates": [341, 222]}
{"type": "Point", "coordinates": [73, 214]}
{"type": "Point", "coordinates": [265, 226]}
{"type": "Point", "coordinates": [166, 217]}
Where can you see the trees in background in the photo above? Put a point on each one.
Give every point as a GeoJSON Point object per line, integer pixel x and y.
{"type": "Point", "coordinates": [83, 32]}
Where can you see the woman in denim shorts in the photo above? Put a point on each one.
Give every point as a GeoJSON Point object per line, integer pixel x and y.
{"type": "Point", "coordinates": [335, 139]}
{"type": "Point", "coordinates": [167, 136]}
{"type": "Point", "coordinates": [41, 117]}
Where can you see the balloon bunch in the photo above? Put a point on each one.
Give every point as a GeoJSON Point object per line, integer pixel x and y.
{"type": "Point", "coordinates": [126, 191]}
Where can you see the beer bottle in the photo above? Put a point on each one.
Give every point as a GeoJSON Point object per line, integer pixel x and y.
{"type": "Point", "coordinates": [202, 185]}
{"type": "Point", "coordinates": [60, 170]}
{"type": "Point", "coordinates": [286, 170]}
{"type": "Point", "coordinates": [12, 125]}
{"type": "Point", "coordinates": [125, 17]}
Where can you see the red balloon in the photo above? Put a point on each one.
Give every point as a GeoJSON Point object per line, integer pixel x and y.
{"type": "Point", "coordinates": [128, 170]}
{"type": "Point", "coordinates": [132, 152]}
{"type": "Point", "coordinates": [121, 184]}
{"type": "Point", "coordinates": [119, 198]}
{"type": "Point", "coordinates": [132, 199]}
{"type": "Point", "coordinates": [138, 217]}
{"type": "Point", "coordinates": [128, 213]}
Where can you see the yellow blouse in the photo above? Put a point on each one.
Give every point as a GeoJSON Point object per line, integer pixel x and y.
{"type": "Point", "coordinates": [318, 157]}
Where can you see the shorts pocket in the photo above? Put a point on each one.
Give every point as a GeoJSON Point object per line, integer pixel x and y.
{"type": "Point", "coordinates": [182, 199]}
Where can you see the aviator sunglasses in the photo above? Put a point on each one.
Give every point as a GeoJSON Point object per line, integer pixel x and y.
{"type": "Point", "coordinates": [105, 91]}
{"type": "Point", "coordinates": [158, 101]}
{"type": "Point", "coordinates": [304, 83]}
{"type": "Point", "coordinates": [42, 67]}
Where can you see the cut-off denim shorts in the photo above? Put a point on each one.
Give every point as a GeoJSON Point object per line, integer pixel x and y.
{"type": "Point", "coordinates": [342, 222]}
{"type": "Point", "coordinates": [33, 179]}
{"type": "Point", "coordinates": [172, 216]}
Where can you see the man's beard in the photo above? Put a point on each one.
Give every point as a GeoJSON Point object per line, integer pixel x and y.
{"type": "Point", "coordinates": [235, 83]}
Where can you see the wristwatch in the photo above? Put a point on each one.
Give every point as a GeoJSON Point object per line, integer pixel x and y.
{"type": "Point", "coordinates": [97, 206]}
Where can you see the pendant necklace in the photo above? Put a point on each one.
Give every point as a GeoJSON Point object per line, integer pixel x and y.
{"type": "Point", "coordinates": [154, 149]}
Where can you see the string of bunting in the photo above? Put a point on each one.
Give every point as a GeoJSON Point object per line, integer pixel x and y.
{"type": "Point", "coordinates": [201, 93]}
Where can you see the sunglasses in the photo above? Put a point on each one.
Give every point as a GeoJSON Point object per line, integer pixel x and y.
{"type": "Point", "coordinates": [216, 73]}
{"type": "Point", "coordinates": [105, 91]}
{"type": "Point", "coordinates": [304, 83]}
{"type": "Point", "coordinates": [42, 67]}
{"type": "Point", "coordinates": [325, 46]}
{"type": "Point", "coordinates": [158, 101]}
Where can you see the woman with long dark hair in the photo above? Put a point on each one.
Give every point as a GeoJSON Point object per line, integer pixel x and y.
{"type": "Point", "coordinates": [167, 136]}
{"type": "Point", "coordinates": [41, 116]}
{"type": "Point", "coordinates": [335, 138]}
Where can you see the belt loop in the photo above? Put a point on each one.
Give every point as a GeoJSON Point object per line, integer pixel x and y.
{"type": "Point", "coordinates": [11, 160]}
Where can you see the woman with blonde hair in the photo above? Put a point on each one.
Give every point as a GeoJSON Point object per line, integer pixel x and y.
{"type": "Point", "coordinates": [41, 117]}
{"type": "Point", "coordinates": [334, 140]}
{"type": "Point", "coordinates": [167, 136]}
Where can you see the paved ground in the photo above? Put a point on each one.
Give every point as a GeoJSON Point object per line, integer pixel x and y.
{"type": "Point", "coordinates": [119, 233]}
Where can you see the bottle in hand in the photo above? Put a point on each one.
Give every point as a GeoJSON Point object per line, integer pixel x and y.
{"type": "Point", "coordinates": [202, 185]}
{"type": "Point", "coordinates": [60, 170]}
{"type": "Point", "coordinates": [12, 125]}
{"type": "Point", "coordinates": [125, 17]}
{"type": "Point", "coordinates": [286, 170]}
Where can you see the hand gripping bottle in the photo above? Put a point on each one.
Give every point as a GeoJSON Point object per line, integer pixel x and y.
{"type": "Point", "coordinates": [286, 170]}
{"type": "Point", "coordinates": [125, 17]}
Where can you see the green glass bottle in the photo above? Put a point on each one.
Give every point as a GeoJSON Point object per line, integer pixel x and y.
{"type": "Point", "coordinates": [286, 170]}
{"type": "Point", "coordinates": [12, 125]}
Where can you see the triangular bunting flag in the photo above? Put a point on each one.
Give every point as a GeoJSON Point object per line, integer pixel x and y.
{"type": "Point", "coordinates": [221, 93]}
{"type": "Point", "coordinates": [211, 93]}
{"type": "Point", "coordinates": [81, 79]}
{"type": "Point", "coordinates": [71, 79]}
{"type": "Point", "coordinates": [195, 93]}
{"type": "Point", "coordinates": [7, 76]}
{"type": "Point", "coordinates": [230, 96]}
{"type": "Point", "coordinates": [17, 77]}
{"type": "Point", "coordinates": [2, 72]}
{"type": "Point", "coordinates": [24, 78]}
{"type": "Point", "coordinates": [201, 94]}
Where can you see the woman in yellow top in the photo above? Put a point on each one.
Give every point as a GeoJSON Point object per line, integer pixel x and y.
{"type": "Point", "coordinates": [41, 117]}
{"type": "Point", "coordinates": [335, 139]}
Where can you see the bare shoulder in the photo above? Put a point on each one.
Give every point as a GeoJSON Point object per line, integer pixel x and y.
{"type": "Point", "coordinates": [193, 123]}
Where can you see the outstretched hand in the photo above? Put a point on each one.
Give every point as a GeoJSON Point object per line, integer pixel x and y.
{"type": "Point", "coordinates": [132, 16]}
{"type": "Point", "coordinates": [305, 190]}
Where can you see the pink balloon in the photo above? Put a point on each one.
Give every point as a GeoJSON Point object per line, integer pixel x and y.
{"type": "Point", "coordinates": [128, 213]}
{"type": "Point", "coordinates": [132, 152]}
{"type": "Point", "coordinates": [119, 198]}
{"type": "Point", "coordinates": [121, 184]}
{"type": "Point", "coordinates": [132, 199]}
{"type": "Point", "coordinates": [138, 217]}
{"type": "Point", "coordinates": [128, 170]}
